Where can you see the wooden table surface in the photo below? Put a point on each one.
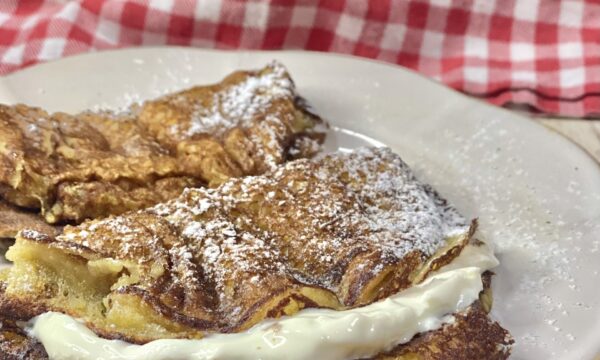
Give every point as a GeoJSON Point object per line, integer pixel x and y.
{"type": "Point", "coordinates": [585, 133]}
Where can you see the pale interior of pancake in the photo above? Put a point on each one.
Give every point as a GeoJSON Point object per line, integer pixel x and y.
{"type": "Point", "coordinates": [85, 289]}
{"type": "Point", "coordinates": [82, 288]}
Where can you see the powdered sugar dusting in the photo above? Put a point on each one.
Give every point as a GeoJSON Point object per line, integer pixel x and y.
{"type": "Point", "coordinates": [302, 223]}
{"type": "Point", "coordinates": [403, 212]}
{"type": "Point", "coordinates": [240, 103]}
{"type": "Point", "coordinates": [380, 207]}
{"type": "Point", "coordinates": [33, 234]}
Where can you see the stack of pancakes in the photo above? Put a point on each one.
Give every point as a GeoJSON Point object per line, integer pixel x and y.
{"type": "Point", "coordinates": [339, 231]}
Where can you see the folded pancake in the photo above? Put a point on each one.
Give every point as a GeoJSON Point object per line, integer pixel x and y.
{"type": "Point", "coordinates": [337, 232]}
{"type": "Point", "coordinates": [91, 165]}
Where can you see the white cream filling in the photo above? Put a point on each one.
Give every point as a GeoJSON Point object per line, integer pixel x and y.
{"type": "Point", "coordinates": [309, 334]}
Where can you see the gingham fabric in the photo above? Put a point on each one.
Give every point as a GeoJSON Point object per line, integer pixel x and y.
{"type": "Point", "coordinates": [544, 54]}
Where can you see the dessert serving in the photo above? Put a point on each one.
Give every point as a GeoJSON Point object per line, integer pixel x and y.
{"type": "Point", "coordinates": [345, 255]}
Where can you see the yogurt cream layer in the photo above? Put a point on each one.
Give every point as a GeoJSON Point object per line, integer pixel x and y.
{"type": "Point", "coordinates": [310, 334]}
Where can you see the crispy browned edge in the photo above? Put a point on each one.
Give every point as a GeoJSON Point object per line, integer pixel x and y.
{"type": "Point", "coordinates": [13, 219]}
{"type": "Point", "coordinates": [472, 336]}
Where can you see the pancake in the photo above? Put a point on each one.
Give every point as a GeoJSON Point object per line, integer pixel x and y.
{"type": "Point", "coordinates": [70, 168]}
{"type": "Point", "coordinates": [338, 232]}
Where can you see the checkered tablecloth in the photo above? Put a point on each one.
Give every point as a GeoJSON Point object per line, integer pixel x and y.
{"type": "Point", "coordinates": [544, 54]}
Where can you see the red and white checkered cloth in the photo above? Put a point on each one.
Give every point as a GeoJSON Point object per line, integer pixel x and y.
{"type": "Point", "coordinates": [541, 53]}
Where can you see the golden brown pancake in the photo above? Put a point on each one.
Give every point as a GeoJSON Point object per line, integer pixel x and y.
{"type": "Point", "coordinates": [338, 232]}
{"type": "Point", "coordinates": [86, 166]}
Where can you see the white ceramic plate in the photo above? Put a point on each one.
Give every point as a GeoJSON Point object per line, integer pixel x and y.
{"type": "Point", "coordinates": [536, 194]}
